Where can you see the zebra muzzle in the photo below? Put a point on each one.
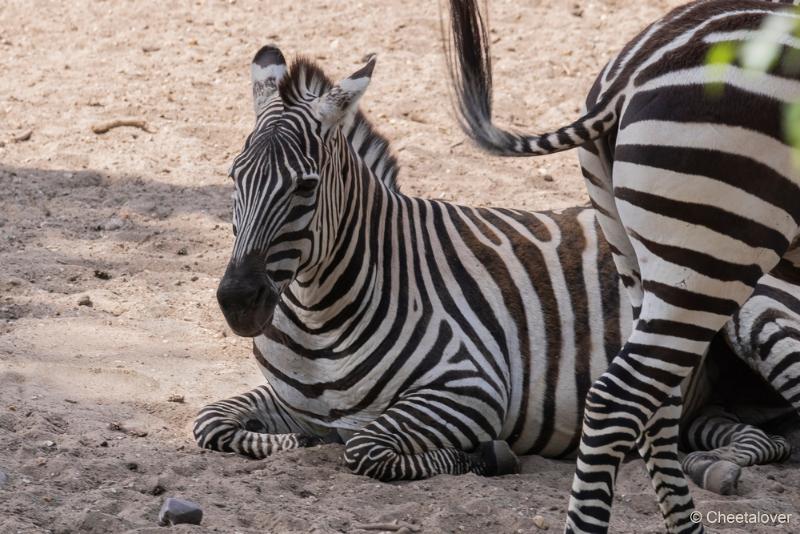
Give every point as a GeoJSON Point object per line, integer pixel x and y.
{"type": "Point", "coordinates": [247, 299]}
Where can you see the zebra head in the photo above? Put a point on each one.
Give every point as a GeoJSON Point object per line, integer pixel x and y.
{"type": "Point", "coordinates": [285, 182]}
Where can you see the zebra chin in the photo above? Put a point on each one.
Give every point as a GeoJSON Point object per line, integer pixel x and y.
{"type": "Point", "coordinates": [247, 299]}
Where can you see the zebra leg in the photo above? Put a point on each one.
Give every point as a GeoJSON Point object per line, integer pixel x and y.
{"type": "Point", "coordinates": [596, 163]}
{"type": "Point", "coordinates": [658, 446]}
{"type": "Point", "coordinates": [400, 445]}
{"type": "Point", "coordinates": [765, 334]}
{"type": "Point", "coordinates": [697, 269]}
{"type": "Point", "coordinates": [722, 445]}
{"type": "Point", "coordinates": [632, 396]}
{"type": "Point", "coordinates": [252, 424]}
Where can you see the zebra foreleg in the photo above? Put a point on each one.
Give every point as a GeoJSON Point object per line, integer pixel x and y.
{"type": "Point", "coordinates": [722, 446]}
{"type": "Point", "coordinates": [398, 447]}
{"type": "Point", "coordinates": [252, 424]}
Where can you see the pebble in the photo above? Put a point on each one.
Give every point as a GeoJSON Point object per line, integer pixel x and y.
{"type": "Point", "coordinates": [114, 223]}
{"type": "Point", "coordinates": [175, 398]}
{"type": "Point", "coordinates": [177, 511]}
{"type": "Point", "coordinates": [3, 478]}
{"type": "Point", "coordinates": [776, 487]}
{"type": "Point", "coordinates": [540, 522]}
{"type": "Point", "coordinates": [85, 301]}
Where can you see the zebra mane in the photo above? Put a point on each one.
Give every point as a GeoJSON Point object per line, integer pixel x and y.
{"type": "Point", "coordinates": [305, 80]}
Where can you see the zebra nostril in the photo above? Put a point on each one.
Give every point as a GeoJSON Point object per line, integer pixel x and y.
{"type": "Point", "coordinates": [236, 297]}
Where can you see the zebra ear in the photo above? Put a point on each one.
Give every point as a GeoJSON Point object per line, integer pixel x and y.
{"type": "Point", "coordinates": [338, 105]}
{"type": "Point", "coordinates": [266, 71]}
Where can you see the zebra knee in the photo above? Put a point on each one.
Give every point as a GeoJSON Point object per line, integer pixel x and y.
{"type": "Point", "coordinates": [382, 457]}
{"type": "Point", "coordinates": [370, 456]}
{"type": "Point", "coordinates": [215, 429]}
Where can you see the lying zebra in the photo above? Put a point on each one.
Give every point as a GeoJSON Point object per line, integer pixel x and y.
{"type": "Point", "coordinates": [429, 336]}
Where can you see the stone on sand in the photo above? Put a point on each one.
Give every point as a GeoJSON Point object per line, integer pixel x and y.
{"type": "Point", "coordinates": [176, 511]}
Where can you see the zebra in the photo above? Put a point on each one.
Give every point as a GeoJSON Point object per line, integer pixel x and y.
{"type": "Point", "coordinates": [430, 338]}
{"type": "Point", "coordinates": [697, 195]}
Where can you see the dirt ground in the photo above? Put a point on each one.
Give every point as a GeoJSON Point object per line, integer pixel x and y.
{"type": "Point", "coordinates": [139, 222]}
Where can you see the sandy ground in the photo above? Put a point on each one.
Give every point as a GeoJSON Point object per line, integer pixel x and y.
{"type": "Point", "coordinates": [138, 222]}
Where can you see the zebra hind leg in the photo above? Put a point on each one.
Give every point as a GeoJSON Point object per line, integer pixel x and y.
{"type": "Point", "coordinates": [658, 446]}
{"type": "Point", "coordinates": [251, 424]}
{"type": "Point", "coordinates": [722, 445]}
{"type": "Point", "coordinates": [766, 333]}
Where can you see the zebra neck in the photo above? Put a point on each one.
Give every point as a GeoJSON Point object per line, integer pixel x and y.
{"type": "Point", "coordinates": [331, 309]}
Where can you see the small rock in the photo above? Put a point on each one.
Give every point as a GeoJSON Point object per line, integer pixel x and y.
{"type": "Point", "coordinates": [183, 251]}
{"type": "Point", "coordinates": [132, 466]}
{"type": "Point", "coordinates": [48, 444]}
{"type": "Point", "coordinates": [548, 178]}
{"type": "Point", "coordinates": [3, 478]}
{"type": "Point", "coordinates": [540, 522]}
{"type": "Point", "coordinates": [24, 136]}
{"type": "Point", "coordinates": [175, 398]}
{"type": "Point", "coordinates": [85, 301]}
{"type": "Point", "coordinates": [102, 275]}
{"type": "Point", "coordinates": [104, 443]}
{"type": "Point", "coordinates": [115, 426]}
{"type": "Point", "coordinates": [177, 511]}
{"type": "Point", "coordinates": [776, 487]}
{"type": "Point", "coordinates": [114, 223]}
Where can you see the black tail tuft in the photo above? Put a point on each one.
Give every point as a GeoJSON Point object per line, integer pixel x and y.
{"type": "Point", "coordinates": [469, 64]}
{"type": "Point", "coordinates": [470, 68]}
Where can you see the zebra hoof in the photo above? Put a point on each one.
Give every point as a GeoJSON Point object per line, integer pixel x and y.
{"type": "Point", "coordinates": [498, 459]}
{"type": "Point", "coordinates": [722, 477]}
{"type": "Point", "coordinates": [310, 441]}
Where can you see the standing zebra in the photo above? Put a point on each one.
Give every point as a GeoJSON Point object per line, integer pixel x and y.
{"type": "Point", "coordinates": [697, 196]}
{"type": "Point", "coordinates": [421, 331]}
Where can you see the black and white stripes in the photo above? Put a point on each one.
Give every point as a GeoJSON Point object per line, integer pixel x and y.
{"type": "Point", "coordinates": [696, 193]}
{"type": "Point", "coordinates": [430, 337]}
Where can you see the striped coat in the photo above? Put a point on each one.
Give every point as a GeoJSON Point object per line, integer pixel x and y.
{"type": "Point", "coordinates": [428, 336]}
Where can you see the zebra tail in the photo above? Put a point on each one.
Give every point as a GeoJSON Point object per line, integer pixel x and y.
{"type": "Point", "coordinates": [469, 65]}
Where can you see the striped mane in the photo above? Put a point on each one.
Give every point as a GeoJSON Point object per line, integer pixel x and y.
{"type": "Point", "coordinates": [306, 80]}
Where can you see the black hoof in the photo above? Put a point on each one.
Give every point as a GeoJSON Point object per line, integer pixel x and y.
{"type": "Point", "coordinates": [497, 459]}
{"type": "Point", "coordinates": [310, 441]}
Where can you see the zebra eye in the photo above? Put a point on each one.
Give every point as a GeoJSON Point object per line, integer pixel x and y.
{"type": "Point", "coordinates": [306, 185]}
